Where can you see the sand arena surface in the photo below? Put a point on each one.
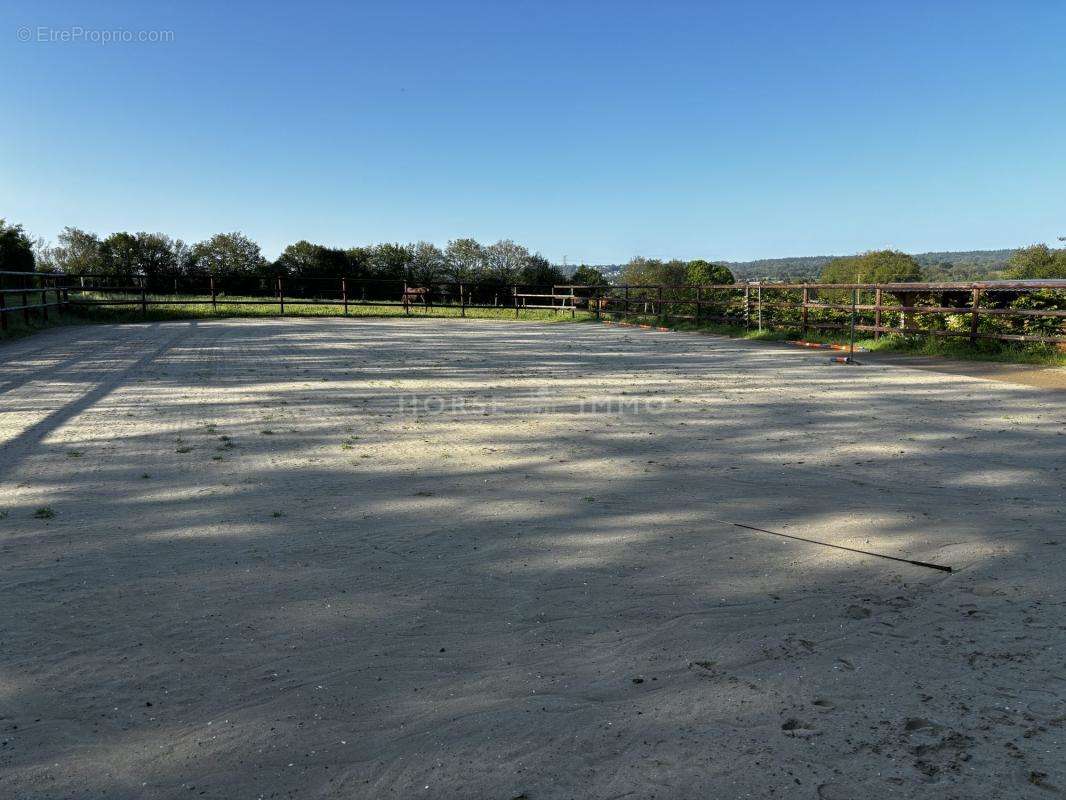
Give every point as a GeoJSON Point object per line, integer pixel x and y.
{"type": "Point", "coordinates": [469, 559]}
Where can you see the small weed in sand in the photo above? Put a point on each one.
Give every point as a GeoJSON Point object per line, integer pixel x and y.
{"type": "Point", "coordinates": [184, 449]}
{"type": "Point", "coordinates": [145, 476]}
{"type": "Point", "coordinates": [277, 514]}
{"type": "Point", "coordinates": [74, 454]}
{"type": "Point", "coordinates": [44, 512]}
{"type": "Point", "coordinates": [267, 432]}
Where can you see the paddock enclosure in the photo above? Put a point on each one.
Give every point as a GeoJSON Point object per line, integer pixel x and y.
{"type": "Point", "coordinates": [339, 558]}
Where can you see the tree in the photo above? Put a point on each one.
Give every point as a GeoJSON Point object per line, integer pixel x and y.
{"type": "Point", "coordinates": [16, 249]}
{"type": "Point", "coordinates": [1037, 262]}
{"type": "Point", "coordinates": [227, 254]}
{"type": "Point", "coordinates": [504, 261]}
{"type": "Point", "coordinates": [588, 276]}
{"type": "Point", "coordinates": [298, 259]}
{"type": "Point", "coordinates": [652, 271]}
{"type": "Point", "coordinates": [538, 271]}
{"type": "Point", "coordinates": [304, 259]}
{"type": "Point", "coordinates": [357, 261]}
{"type": "Point", "coordinates": [639, 270]}
{"type": "Point", "coordinates": [464, 261]}
{"type": "Point", "coordinates": [77, 252]}
{"type": "Point", "coordinates": [389, 261]}
{"type": "Point", "coordinates": [118, 255]}
{"type": "Point", "coordinates": [876, 266]}
{"type": "Point", "coordinates": [704, 273]}
{"type": "Point", "coordinates": [426, 265]}
{"type": "Point", "coordinates": [155, 255]}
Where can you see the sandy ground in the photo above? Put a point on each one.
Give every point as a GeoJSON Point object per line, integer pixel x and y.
{"type": "Point", "coordinates": [467, 559]}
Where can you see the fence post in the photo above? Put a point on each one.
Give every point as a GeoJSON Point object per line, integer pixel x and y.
{"type": "Point", "coordinates": [854, 303]}
{"type": "Point", "coordinates": [25, 306]}
{"type": "Point", "coordinates": [699, 307]}
{"type": "Point", "coordinates": [44, 304]}
{"type": "Point", "coordinates": [877, 312]}
{"type": "Point", "coordinates": [747, 307]}
{"type": "Point", "coordinates": [803, 313]}
{"type": "Point", "coordinates": [974, 306]}
{"type": "Point", "coordinates": [344, 294]}
{"type": "Point", "coordinates": [462, 301]}
{"type": "Point", "coordinates": [514, 292]}
{"type": "Point", "coordinates": [214, 296]}
{"type": "Point", "coordinates": [3, 316]}
{"type": "Point", "coordinates": [625, 307]}
{"type": "Point", "coordinates": [759, 292]}
{"type": "Point", "coordinates": [662, 314]}
{"type": "Point", "coordinates": [281, 297]}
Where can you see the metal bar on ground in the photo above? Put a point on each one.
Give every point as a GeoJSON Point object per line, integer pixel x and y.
{"type": "Point", "coordinates": [926, 564]}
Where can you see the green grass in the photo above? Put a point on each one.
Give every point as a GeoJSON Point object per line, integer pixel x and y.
{"type": "Point", "coordinates": [985, 350]}
{"type": "Point", "coordinates": [199, 307]}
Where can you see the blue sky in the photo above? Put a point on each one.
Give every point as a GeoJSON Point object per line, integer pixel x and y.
{"type": "Point", "coordinates": [597, 131]}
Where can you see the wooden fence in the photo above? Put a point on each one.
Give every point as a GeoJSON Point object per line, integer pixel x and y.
{"type": "Point", "coordinates": [33, 294]}
{"type": "Point", "coordinates": [1023, 311]}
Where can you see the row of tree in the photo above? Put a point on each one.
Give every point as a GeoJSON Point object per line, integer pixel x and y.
{"type": "Point", "coordinates": [157, 256]}
{"type": "Point", "coordinates": [1036, 262]}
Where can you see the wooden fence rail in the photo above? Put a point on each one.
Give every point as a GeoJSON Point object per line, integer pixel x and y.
{"type": "Point", "coordinates": [1024, 311]}
{"type": "Point", "coordinates": [991, 310]}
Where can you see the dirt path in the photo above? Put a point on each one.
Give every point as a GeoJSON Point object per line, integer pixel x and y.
{"type": "Point", "coordinates": [466, 559]}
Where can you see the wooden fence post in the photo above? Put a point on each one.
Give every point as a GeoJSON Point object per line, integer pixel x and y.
{"type": "Point", "coordinates": [515, 293]}
{"type": "Point", "coordinates": [3, 316]}
{"type": "Point", "coordinates": [625, 307]}
{"type": "Point", "coordinates": [214, 300]}
{"type": "Point", "coordinates": [344, 294]}
{"type": "Point", "coordinates": [803, 313]}
{"type": "Point", "coordinates": [759, 292]}
{"type": "Point", "coordinates": [747, 307]}
{"type": "Point", "coordinates": [25, 307]}
{"type": "Point", "coordinates": [877, 312]}
{"type": "Point", "coordinates": [281, 297]}
{"type": "Point", "coordinates": [662, 315]}
{"type": "Point", "coordinates": [462, 301]}
{"type": "Point", "coordinates": [974, 306]}
{"type": "Point", "coordinates": [699, 307]}
{"type": "Point", "coordinates": [44, 304]}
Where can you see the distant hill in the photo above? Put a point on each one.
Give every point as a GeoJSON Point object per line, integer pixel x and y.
{"type": "Point", "coordinates": [947, 265]}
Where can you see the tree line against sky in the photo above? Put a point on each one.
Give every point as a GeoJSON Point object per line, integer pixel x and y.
{"type": "Point", "coordinates": [157, 255]}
